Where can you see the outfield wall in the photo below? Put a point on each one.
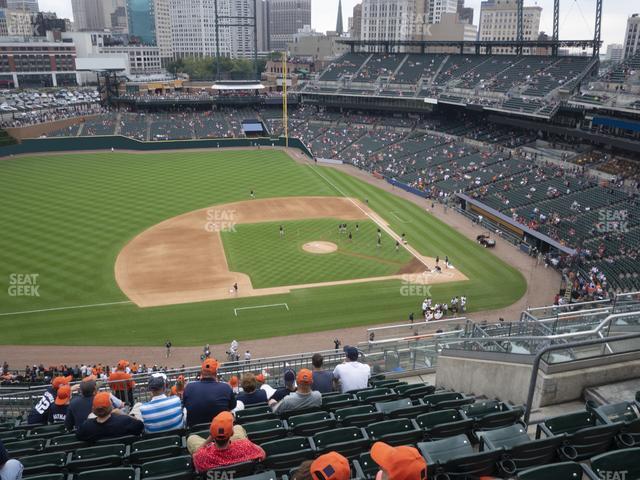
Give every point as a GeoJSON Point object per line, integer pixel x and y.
{"type": "Point", "coordinates": [71, 144]}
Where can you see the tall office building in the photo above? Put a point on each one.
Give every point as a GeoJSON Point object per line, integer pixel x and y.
{"type": "Point", "coordinates": [286, 17]}
{"type": "Point", "coordinates": [391, 19]}
{"type": "Point", "coordinates": [615, 52]}
{"type": "Point", "coordinates": [356, 22]}
{"type": "Point", "coordinates": [498, 21]}
{"type": "Point", "coordinates": [262, 17]}
{"type": "Point", "coordinates": [88, 15]}
{"type": "Point", "coordinates": [30, 6]}
{"type": "Point", "coordinates": [115, 15]}
{"type": "Point", "coordinates": [437, 8]}
{"type": "Point", "coordinates": [465, 14]}
{"type": "Point", "coordinates": [632, 36]}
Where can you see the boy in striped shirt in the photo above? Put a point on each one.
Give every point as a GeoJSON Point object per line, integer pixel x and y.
{"type": "Point", "coordinates": [161, 413]}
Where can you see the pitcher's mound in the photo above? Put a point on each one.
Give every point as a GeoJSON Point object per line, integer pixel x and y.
{"type": "Point", "coordinates": [320, 247]}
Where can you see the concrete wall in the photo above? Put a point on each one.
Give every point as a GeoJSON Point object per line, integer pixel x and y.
{"type": "Point", "coordinates": [510, 381]}
{"type": "Point", "coordinates": [35, 131]}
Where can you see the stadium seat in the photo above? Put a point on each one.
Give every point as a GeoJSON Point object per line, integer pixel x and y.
{"type": "Point", "coordinates": [444, 423]}
{"type": "Point", "coordinates": [43, 463]}
{"type": "Point", "coordinates": [490, 414]}
{"type": "Point", "coordinates": [311, 423]}
{"type": "Point", "coordinates": [125, 439]}
{"type": "Point", "coordinates": [13, 435]}
{"type": "Point", "coordinates": [400, 431]}
{"type": "Point", "coordinates": [122, 473]}
{"type": "Point", "coordinates": [348, 441]}
{"type": "Point", "coordinates": [253, 415]}
{"type": "Point", "coordinates": [336, 401]}
{"type": "Point", "coordinates": [287, 453]}
{"type": "Point", "coordinates": [414, 392]}
{"type": "Point", "coordinates": [358, 416]}
{"type": "Point", "coordinates": [455, 456]}
{"type": "Point", "coordinates": [47, 431]}
{"type": "Point", "coordinates": [586, 437]}
{"type": "Point", "coordinates": [265, 430]}
{"type": "Point", "coordinates": [144, 451]}
{"type": "Point", "coordinates": [374, 395]}
{"type": "Point", "coordinates": [626, 460]}
{"type": "Point", "coordinates": [624, 412]}
{"type": "Point", "coordinates": [364, 467]}
{"type": "Point", "coordinates": [386, 383]}
{"type": "Point", "coordinates": [519, 448]}
{"type": "Point", "coordinates": [442, 400]}
{"type": "Point", "coordinates": [176, 468]}
{"type": "Point", "coordinates": [557, 471]}
{"type": "Point", "coordinates": [65, 443]}
{"type": "Point", "coordinates": [93, 458]}
{"type": "Point", "coordinates": [231, 471]}
{"type": "Point", "coordinates": [403, 408]}
{"type": "Point", "coordinates": [304, 411]}
{"type": "Point", "coordinates": [47, 476]}
{"type": "Point", "coordinates": [25, 447]}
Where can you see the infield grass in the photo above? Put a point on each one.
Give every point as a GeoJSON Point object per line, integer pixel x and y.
{"type": "Point", "coordinates": [65, 218]}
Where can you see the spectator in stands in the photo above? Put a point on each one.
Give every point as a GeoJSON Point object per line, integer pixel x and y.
{"type": "Point", "coordinates": [206, 398]}
{"type": "Point", "coordinates": [121, 382]}
{"type": "Point", "coordinates": [221, 449]}
{"type": "Point", "coordinates": [108, 422]}
{"type": "Point", "coordinates": [322, 379]}
{"type": "Point", "coordinates": [10, 469]}
{"type": "Point", "coordinates": [250, 393]}
{"type": "Point", "coordinates": [161, 413]}
{"type": "Point", "coordinates": [330, 466]}
{"type": "Point", "coordinates": [40, 412]}
{"type": "Point", "coordinates": [58, 411]}
{"type": "Point", "coordinates": [302, 398]}
{"type": "Point", "coordinates": [352, 374]}
{"type": "Point", "coordinates": [289, 387]}
{"type": "Point", "coordinates": [399, 463]}
{"type": "Point", "coordinates": [81, 406]}
{"type": "Point", "coordinates": [178, 388]}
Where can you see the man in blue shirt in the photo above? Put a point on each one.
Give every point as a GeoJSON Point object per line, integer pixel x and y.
{"type": "Point", "coordinates": [322, 379]}
{"type": "Point", "coordinates": [40, 412]}
{"type": "Point", "coordinates": [207, 398]}
{"type": "Point", "coordinates": [161, 413]}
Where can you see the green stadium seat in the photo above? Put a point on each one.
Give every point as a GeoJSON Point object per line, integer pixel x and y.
{"type": "Point", "coordinates": [287, 453]}
{"type": "Point", "coordinates": [403, 408]}
{"type": "Point", "coordinates": [443, 400]}
{"type": "Point", "coordinates": [176, 468]}
{"type": "Point", "coordinates": [386, 383]}
{"type": "Point", "coordinates": [144, 451]}
{"type": "Point", "coordinates": [488, 414]}
{"type": "Point", "coordinates": [400, 431]}
{"type": "Point", "coordinates": [414, 392]}
{"type": "Point", "coordinates": [47, 476]}
{"type": "Point", "coordinates": [7, 425]}
{"type": "Point", "coordinates": [311, 423]}
{"type": "Point", "coordinates": [122, 473]}
{"type": "Point", "coordinates": [125, 439]}
{"type": "Point", "coordinates": [181, 432]}
{"type": "Point", "coordinates": [519, 448]}
{"type": "Point", "coordinates": [624, 412]}
{"type": "Point", "coordinates": [231, 471]}
{"type": "Point", "coordinates": [376, 395]}
{"type": "Point", "coordinates": [358, 416]}
{"type": "Point", "coordinates": [557, 471]}
{"type": "Point", "coordinates": [254, 415]}
{"type": "Point", "coordinates": [364, 467]}
{"type": "Point", "coordinates": [455, 456]}
{"type": "Point", "coordinates": [13, 435]}
{"type": "Point", "coordinates": [65, 443]}
{"type": "Point", "coordinates": [443, 424]}
{"type": "Point", "coordinates": [337, 401]}
{"type": "Point", "coordinates": [47, 431]}
{"type": "Point", "coordinates": [43, 463]}
{"type": "Point", "coordinates": [585, 435]}
{"type": "Point", "coordinates": [93, 458]}
{"type": "Point", "coordinates": [626, 460]}
{"type": "Point", "coordinates": [304, 411]}
{"type": "Point", "coordinates": [265, 430]}
{"type": "Point", "coordinates": [348, 441]}
{"type": "Point", "coordinates": [25, 447]}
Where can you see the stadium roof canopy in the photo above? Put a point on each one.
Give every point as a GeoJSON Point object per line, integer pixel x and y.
{"type": "Point", "coordinates": [237, 86]}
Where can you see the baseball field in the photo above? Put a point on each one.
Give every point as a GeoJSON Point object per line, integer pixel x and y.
{"type": "Point", "coordinates": [133, 249]}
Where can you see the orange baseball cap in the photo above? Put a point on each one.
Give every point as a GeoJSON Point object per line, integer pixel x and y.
{"type": "Point", "coordinates": [305, 376]}
{"type": "Point", "coordinates": [64, 395]}
{"type": "Point", "coordinates": [180, 378]}
{"type": "Point", "coordinates": [222, 426]}
{"type": "Point", "coordinates": [210, 365]}
{"type": "Point", "coordinates": [400, 463]}
{"type": "Point", "coordinates": [57, 382]}
{"type": "Point", "coordinates": [260, 378]}
{"type": "Point", "coordinates": [122, 364]}
{"type": "Point", "coordinates": [233, 381]}
{"type": "Point", "coordinates": [102, 400]}
{"type": "Point", "coordinates": [331, 466]}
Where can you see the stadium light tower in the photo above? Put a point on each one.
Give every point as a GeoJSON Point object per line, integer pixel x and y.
{"type": "Point", "coordinates": [597, 37]}
{"type": "Point", "coordinates": [519, 25]}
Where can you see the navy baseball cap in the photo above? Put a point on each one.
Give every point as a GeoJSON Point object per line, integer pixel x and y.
{"type": "Point", "coordinates": [351, 352]}
{"type": "Point", "coordinates": [156, 383]}
{"type": "Point", "coordinates": [289, 377]}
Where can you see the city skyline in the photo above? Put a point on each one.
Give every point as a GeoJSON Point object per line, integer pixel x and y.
{"type": "Point", "coordinates": [576, 17]}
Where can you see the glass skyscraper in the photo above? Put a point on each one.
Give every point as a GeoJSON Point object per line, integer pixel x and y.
{"type": "Point", "coordinates": [142, 22]}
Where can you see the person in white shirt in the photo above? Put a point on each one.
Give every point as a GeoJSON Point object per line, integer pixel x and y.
{"type": "Point", "coordinates": [352, 374]}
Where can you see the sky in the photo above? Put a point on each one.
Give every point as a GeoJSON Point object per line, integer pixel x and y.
{"type": "Point", "coordinates": [576, 16]}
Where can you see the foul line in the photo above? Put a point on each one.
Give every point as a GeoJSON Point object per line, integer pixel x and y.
{"type": "Point", "coordinates": [65, 308]}
{"type": "Point", "coordinates": [399, 219]}
{"type": "Point", "coordinates": [386, 228]}
{"type": "Point", "coordinates": [235, 310]}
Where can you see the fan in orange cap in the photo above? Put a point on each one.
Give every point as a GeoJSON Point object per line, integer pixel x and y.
{"type": "Point", "coordinates": [178, 388]}
{"type": "Point", "coordinates": [399, 463]}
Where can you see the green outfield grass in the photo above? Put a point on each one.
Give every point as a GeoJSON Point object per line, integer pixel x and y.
{"type": "Point", "coordinates": [66, 217]}
{"type": "Point", "coordinates": [271, 261]}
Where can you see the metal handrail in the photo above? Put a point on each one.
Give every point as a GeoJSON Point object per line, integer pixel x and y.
{"type": "Point", "coordinates": [551, 348]}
